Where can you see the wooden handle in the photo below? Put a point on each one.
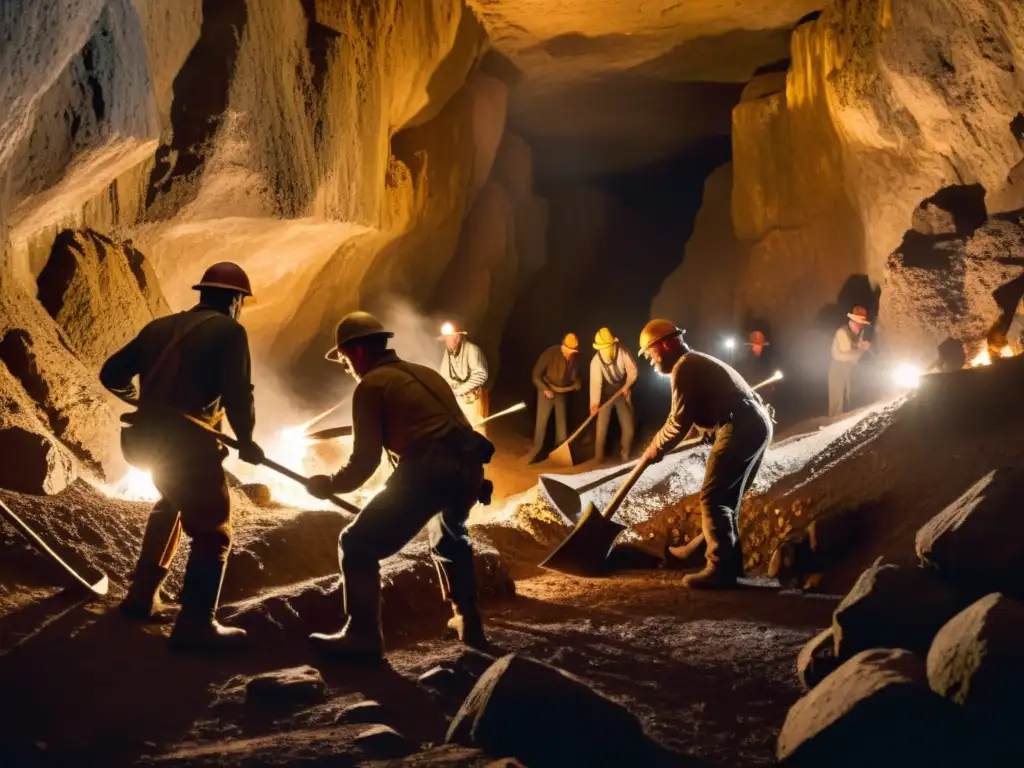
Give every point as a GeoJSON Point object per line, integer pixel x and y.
{"type": "Point", "coordinates": [591, 417]}
{"type": "Point", "coordinates": [613, 506]}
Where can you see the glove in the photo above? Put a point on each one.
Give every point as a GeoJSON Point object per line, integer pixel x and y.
{"type": "Point", "coordinates": [251, 453]}
{"type": "Point", "coordinates": [320, 486]}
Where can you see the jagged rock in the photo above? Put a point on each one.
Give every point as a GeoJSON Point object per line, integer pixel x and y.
{"type": "Point", "coordinates": [287, 687]}
{"type": "Point", "coordinates": [978, 540]}
{"type": "Point", "coordinates": [99, 291]}
{"type": "Point", "coordinates": [32, 463]}
{"type": "Point", "coordinates": [893, 607]}
{"type": "Point", "coordinates": [817, 659]}
{"type": "Point", "coordinates": [977, 661]}
{"type": "Point", "coordinates": [367, 711]}
{"type": "Point", "coordinates": [546, 717]}
{"type": "Point", "coordinates": [384, 742]}
{"type": "Point", "coordinates": [876, 709]}
{"type": "Point", "coordinates": [451, 681]}
{"type": "Point", "coordinates": [930, 219]}
{"type": "Point", "coordinates": [258, 493]}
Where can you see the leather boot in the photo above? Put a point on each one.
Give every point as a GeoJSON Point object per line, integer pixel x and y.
{"type": "Point", "coordinates": [197, 628]}
{"type": "Point", "coordinates": [143, 599]}
{"type": "Point", "coordinates": [469, 626]}
{"type": "Point", "coordinates": [724, 563]}
{"type": "Point", "coordinates": [361, 639]}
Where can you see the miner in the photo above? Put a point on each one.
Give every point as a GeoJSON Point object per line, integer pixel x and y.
{"type": "Point", "coordinates": [194, 363]}
{"type": "Point", "coordinates": [409, 411]}
{"type": "Point", "coordinates": [711, 397]}
{"type": "Point", "coordinates": [848, 346]}
{"type": "Point", "coordinates": [612, 370]}
{"type": "Point", "coordinates": [464, 367]}
{"type": "Point", "coordinates": [757, 364]}
{"type": "Point", "coordinates": [555, 375]}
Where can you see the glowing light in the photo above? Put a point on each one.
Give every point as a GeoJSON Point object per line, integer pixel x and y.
{"type": "Point", "coordinates": [447, 329]}
{"type": "Point", "coordinates": [134, 486]}
{"type": "Point", "coordinates": [984, 358]}
{"type": "Point", "coordinates": [729, 343]}
{"type": "Point", "coordinates": [777, 375]}
{"type": "Point", "coordinates": [907, 375]}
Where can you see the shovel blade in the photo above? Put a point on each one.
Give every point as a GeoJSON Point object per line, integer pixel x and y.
{"type": "Point", "coordinates": [561, 456]}
{"type": "Point", "coordinates": [564, 499]}
{"type": "Point", "coordinates": [585, 550]}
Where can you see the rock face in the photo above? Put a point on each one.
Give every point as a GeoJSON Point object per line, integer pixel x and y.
{"type": "Point", "coordinates": [287, 687]}
{"type": "Point", "coordinates": [975, 540]}
{"type": "Point", "coordinates": [100, 292]}
{"type": "Point", "coordinates": [876, 709]}
{"type": "Point", "coordinates": [817, 659]}
{"type": "Point", "coordinates": [885, 107]}
{"type": "Point", "coordinates": [32, 462]}
{"type": "Point", "coordinates": [977, 661]}
{"type": "Point", "coordinates": [545, 717]}
{"type": "Point", "coordinates": [892, 607]}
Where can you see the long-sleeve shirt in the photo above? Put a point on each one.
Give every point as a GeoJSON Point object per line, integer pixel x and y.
{"type": "Point", "coordinates": [210, 368]}
{"type": "Point", "coordinates": [466, 369]}
{"type": "Point", "coordinates": [607, 378]}
{"type": "Point", "coordinates": [844, 346]}
{"type": "Point", "coordinates": [553, 372]}
{"type": "Point", "coordinates": [705, 392]}
{"type": "Point", "coordinates": [396, 405]}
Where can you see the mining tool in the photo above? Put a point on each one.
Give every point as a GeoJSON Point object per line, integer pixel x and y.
{"type": "Point", "coordinates": [95, 582]}
{"type": "Point", "coordinates": [562, 455]}
{"type": "Point", "coordinates": [585, 550]}
{"type": "Point", "coordinates": [335, 432]}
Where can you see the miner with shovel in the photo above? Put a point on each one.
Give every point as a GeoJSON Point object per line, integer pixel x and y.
{"type": "Point", "coordinates": [714, 398]}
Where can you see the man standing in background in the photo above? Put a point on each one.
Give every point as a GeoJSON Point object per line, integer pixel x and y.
{"type": "Point", "coordinates": [612, 370]}
{"type": "Point", "coordinates": [464, 367]}
{"type": "Point", "coordinates": [848, 346]}
{"type": "Point", "coordinates": [555, 375]}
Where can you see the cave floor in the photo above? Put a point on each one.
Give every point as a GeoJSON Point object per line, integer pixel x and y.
{"type": "Point", "coordinates": [711, 674]}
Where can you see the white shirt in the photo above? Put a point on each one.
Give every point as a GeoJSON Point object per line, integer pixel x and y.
{"type": "Point", "coordinates": [465, 370]}
{"type": "Point", "coordinates": [620, 373]}
{"type": "Point", "coordinates": [844, 346]}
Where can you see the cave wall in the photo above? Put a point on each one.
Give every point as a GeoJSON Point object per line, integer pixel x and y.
{"type": "Point", "coordinates": [333, 149]}
{"type": "Point", "coordinates": [884, 104]}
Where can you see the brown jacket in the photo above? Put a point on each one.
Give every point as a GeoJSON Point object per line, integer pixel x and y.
{"type": "Point", "coordinates": [552, 371]}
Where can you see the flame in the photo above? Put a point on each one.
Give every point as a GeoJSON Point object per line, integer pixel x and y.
{"type": "Point", "coordinates": [136, 486]}
{"type": "Point", "coordinates": [984, 358]}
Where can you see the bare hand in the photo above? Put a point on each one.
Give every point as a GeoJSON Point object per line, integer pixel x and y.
{"type": "Point", "coordinates": [594, 409]}
{"type": "Point", "coordinates": [549, 394]}
{"type": "Point", "coordinates": [320, 486]}
{"type": "Point", "coordinates": [652, 455]}
{"type": "Point", "coordinates": [250, 453]}
{"type": "Point", "coordinates": [625, 394]}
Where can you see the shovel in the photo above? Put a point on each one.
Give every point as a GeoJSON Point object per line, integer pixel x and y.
{"type": "Point", "coordinates": [335, 432]}
{"type": "Point", "coordinates": [562, 455]}
{"type": "Point", "coordinates": [568, 501]}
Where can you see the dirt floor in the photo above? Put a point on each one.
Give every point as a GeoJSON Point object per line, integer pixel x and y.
{"type": "Point", "coordinates": [710, 675]}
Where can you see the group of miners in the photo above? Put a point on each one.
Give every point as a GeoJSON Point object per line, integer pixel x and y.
{"type": "Point", "coordinates": [194, 370]}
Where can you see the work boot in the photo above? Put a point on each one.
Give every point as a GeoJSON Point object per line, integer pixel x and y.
{"type": "Point", "coordinates": [197, 628]}
{"type": "Point", "coordinates": [724, 562]}
{"type": "Point", "coordinates": [469, 626]}
{"type": "Point", "coordinates": [143, 599]}
{"type": "Point", "coordinates": [361, 640]}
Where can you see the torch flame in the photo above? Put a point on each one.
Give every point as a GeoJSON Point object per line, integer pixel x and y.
{"type": "Point", "coordinates": [984, 358]}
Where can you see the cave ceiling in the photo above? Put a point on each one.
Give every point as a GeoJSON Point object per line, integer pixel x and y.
{"type": "Point", "coordinates": [609, 85]}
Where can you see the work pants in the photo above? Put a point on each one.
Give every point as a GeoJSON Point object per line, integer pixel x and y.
{"type": "Point", "coordinates": [624, 410]}
{"type": "Point", "coordinates": [840, 376]}
{"type": "Point", "coordinates": [544, 409]}
{"type": "Point", "coordinates": [477, 410]}
{"type": "Point", "coordinates": [437, 490]}
{"type": "Point", "coordinates": [733, 463]}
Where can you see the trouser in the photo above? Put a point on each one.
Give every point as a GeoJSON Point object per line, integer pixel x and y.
{"type": "Point", "coordinates": [477, 410]}
{"type": "Point", "coordinates": [544, 409]}
{"type": "Point", "coordinates": [733, 464]}
{"type": "Point", "coordinates": [840, 376]}
{"type": "Point", "coordinates": [624, 411]}
{"type": "Point", "coordinates": [437, 490]}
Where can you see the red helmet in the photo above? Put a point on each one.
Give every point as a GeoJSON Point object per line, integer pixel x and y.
{"type": "Point", "coordinates": [859, 315]}
{"type": "Point", "coordinates": [757, 339]}
{"type": "Point", "coordinates": [227, 276]}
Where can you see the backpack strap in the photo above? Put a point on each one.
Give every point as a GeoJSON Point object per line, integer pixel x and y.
{"type": "Point", "coordinates": [182, 329]}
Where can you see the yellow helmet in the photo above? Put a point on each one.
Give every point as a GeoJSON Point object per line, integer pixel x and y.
{"type": "Point", "coordinates": [604, 339]}
{"type": "Point", "coordinates": [655, 331]}
{"type": "Point", "coordinates": [571, 341]}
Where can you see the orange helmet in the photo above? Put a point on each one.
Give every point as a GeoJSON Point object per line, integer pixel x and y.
{"type": "Point", "coordinates": [859, 315]}
{"type": "Point", "coordinates": [758, 339]}
{"type": "Point", "coordinates": [571, 341]}
{"type": "Point", "coordinates": [227, 276]}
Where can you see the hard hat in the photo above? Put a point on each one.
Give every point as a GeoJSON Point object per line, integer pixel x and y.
{"type": "Point", "coordinates": [571, 341]}
{"type": "Point", "coordinates": [227, 276]}
{"type": "Point", "coordinates": [355, 326]}
{"type": "Point", "coordinates": [450, 329]}
{"type": "Point", "coordinates": [604, 339]}
{"type": "Point", "coordinates": [758, 339]}
{"type": "Point", "coordinates": [859, 315]}
{"type": "Point", "coordinates": [655, 331]}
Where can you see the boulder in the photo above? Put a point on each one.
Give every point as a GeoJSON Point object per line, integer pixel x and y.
{"type": "Point", "coordinates": [817, 659]}
{"type": "Point", "coordinates": [977, 661]}
{"type": "Point", "coordinates": [367, 711]}
{"type": "Point", "coordinates": [297, 686]}
{"type": "Point", "coordinates": [384, 742]}
{"type": "Point", "coordinates": [100, 291]}
{"type": "Point", "coordinates": [32, 462]}
{"type": "Point", "coordinates": [451, 681]}
{"type": "Point", "coordinates": [546, 717]}
{"type": "Point", "coordinates": [978, 540]}
{"type": "Point", "coordinates": [876, 709]}
{"type": "Point", "coordinates": [893, 607]}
